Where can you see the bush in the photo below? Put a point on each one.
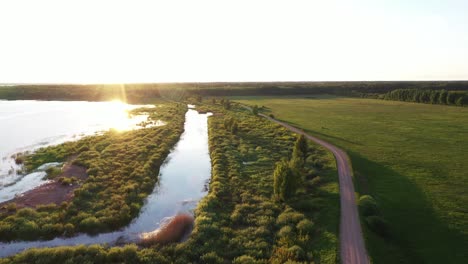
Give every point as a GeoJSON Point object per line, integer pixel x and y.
{"type": "Point", "coordinates": [285, 231]}
{"type": "Point", "coordinates": [305, 227]}
{"type": "Point", "coordinates": [11, 207]}
{"type": "Point", "coordinates": [19, 160]}
{"type": "Point", "coordinates": [53, 172]}
{"type": "Point", "coordinates": [297, 252]}
{"type": "Point", "coordinates": [378, 225]}
{"type": "Point", "coordinates": [244, 260]}
{"type": "Point", "coordinates": [289, 217]}
{"type": "Point", "coordinates": [368, 205]}
{"type": "Point", "coordinates": [27, 229]}
{"type": "Point", "coordinates": [69, 230]}
{"type": "Point", "coordinates": [67, 180]}
{"type": "Point", "coordinates": [91, 225]}
{"type": "Point", "coordinates": [212, 258]}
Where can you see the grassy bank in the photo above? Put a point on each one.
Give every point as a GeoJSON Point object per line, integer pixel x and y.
{"type": "Point", "coordinates": [122, 169]}
{"type": "Point", "coordinates": [410, 157]}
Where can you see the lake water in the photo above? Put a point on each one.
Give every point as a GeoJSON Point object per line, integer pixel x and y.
{"type": "Point", "coordinates": [182, 183]}
{"type": "Point", "coordinates": [28, 125]}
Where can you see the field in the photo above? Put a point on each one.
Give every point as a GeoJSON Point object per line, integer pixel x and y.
{"type": "Point", "coordinates": [410, 157]}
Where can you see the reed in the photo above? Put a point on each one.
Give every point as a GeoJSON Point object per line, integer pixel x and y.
{"type": "Point", "coordinates": [169, 232]}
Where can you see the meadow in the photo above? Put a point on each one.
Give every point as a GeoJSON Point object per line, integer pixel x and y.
{"type": "Point", "coordinates": [412, 158]}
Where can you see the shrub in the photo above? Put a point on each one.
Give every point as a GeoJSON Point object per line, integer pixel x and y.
{"type": "Point", "coordinates": [289, 217]}
{"type": "Point", "coordinates": [305, 227]}
{"type": "Point", "coordinates": [68, 229]}
{"type": "Point", "coordinates": [51, 230]}
{"type": "Point", "coordinates": [91, 225]}
{"type": "Point", "coordinates": [234, 128]}
{"type": "Point", "coordinates": [378, 225]}
{"type": "Point", "coordinates": [211, 258]}
{"type": "Point", "coordinates": [27, 213]}
{"type": "Point", "coordinates": [281, 255]}
{"type": "Point", "coordinates": [19, 160]}
{"type": "Point", "coordinates": [255, 110]}
{"type": "Point", "coordinates": [245, 260]}
{"type": "Point", "coordinates": [53, 172]}
{"type": "Point", "coordinates": [368, 205]}
{"type": "Point", "coordinates": [297, 252]}
{"type": "Point", "coordinates": [27, 229]}
{"type": "Point", "coordinates": [286, 232]}
{"type": "Point", "coordinates": [67, 180]}
{"type": "Point", "coordinates": [11, 207]}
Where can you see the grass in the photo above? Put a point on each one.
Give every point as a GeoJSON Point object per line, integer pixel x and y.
{"type": "Point", "coordinates": [411, 157]}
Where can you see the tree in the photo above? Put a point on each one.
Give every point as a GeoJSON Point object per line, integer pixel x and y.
{"type": "Point", "coordinates": [451, 98]}
{"type": "Point", "coordinates": [433, 97]}
{"type": "Point", "coordinates": [300, 147]}
{"type": "Point", "coordinates": [227, 104]}
{"type": "Point", "coordinates": [284, 181]}
{"type": "Point", "coordinates": [228, 122]}
{"type": "Point", "coordinates": [443, 97]}
{"type": "Point", "coordinates": [255, 109]}
{"type": "Point", "coordinates": [234, 128]}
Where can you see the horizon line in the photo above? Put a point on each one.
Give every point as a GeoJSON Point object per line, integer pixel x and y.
{"type": "Point", "coordinates": [220, 82]}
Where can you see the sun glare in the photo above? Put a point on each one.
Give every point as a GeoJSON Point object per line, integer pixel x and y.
{"type": "Point", "coordinates": [120, 119]}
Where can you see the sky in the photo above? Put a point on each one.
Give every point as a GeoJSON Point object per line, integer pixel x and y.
{"type": "Point", "coordinates": [201, 41]}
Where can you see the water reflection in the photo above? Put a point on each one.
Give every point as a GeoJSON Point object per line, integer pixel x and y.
{"type": "Point", "coordinates": [28, 125]}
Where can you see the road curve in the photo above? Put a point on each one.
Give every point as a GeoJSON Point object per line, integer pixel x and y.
{"type": "Point", "coordinates": [352, 246]}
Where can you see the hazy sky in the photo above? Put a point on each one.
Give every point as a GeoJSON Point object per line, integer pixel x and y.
{"type": "Point", "coordinates": [159, 41]}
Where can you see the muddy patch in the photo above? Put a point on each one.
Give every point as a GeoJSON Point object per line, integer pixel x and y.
{"type": "Point", "coordinates": [58, 190]}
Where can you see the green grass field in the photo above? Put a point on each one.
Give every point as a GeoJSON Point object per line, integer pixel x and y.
{"type": "Point", "coordinates": [413, 158]}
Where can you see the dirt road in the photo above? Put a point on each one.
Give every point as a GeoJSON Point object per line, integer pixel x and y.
{"type": "Point", "coordinates": [352, 247]}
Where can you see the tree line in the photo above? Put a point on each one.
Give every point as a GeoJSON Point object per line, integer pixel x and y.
{"type": "Point", "coordinates": [444, 97]}
{"type": "Point", "coordinates": [178, 91]}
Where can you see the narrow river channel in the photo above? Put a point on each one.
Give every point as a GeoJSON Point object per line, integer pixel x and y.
{"type": "Point", "coordinates": [182, 183]}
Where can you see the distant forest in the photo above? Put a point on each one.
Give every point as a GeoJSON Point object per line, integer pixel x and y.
{"type": "Point", "coordinates": [144, 92]}
{"type": "Point", "coordinates": [458, 98]}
